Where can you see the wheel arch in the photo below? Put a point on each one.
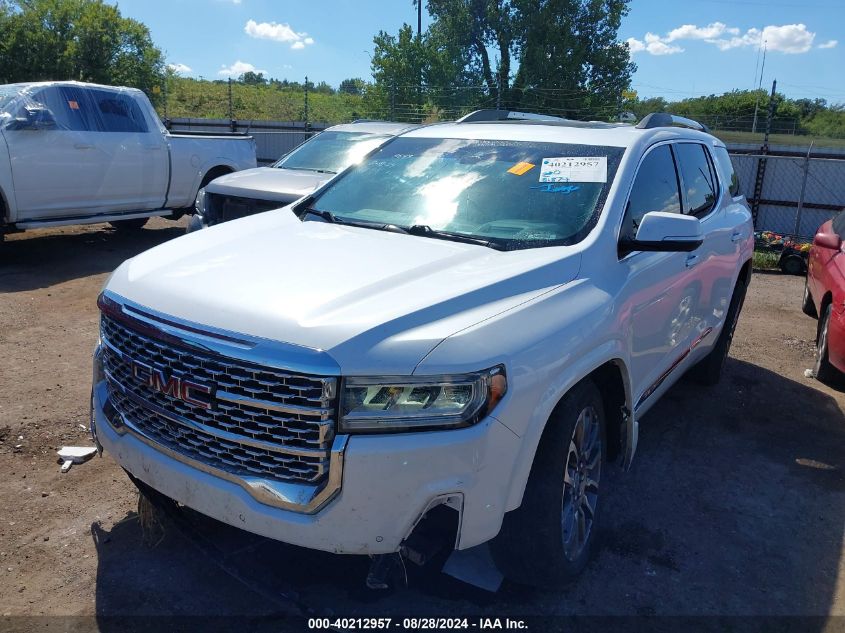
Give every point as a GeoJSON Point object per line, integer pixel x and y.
{"type": "Point", "coordinates": [612, 378]}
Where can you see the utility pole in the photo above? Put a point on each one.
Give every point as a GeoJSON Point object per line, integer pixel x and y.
{"type": "Point", "coordinates": [759, 88]}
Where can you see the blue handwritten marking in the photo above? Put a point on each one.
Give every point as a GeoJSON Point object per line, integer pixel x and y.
{"type": "Point", "coordinates": [551, 187]}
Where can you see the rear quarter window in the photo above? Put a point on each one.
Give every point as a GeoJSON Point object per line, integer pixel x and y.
{"type": "Point", "coordinates": [727, 171]}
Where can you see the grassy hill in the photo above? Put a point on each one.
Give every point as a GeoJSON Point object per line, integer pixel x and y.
{"type": "Point", "coordinates": [208, 99]}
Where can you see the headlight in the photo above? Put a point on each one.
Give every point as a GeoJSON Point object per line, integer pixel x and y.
{"type": "Point", "coordinates": [199, 204]}
{"type": "Point", "coordinates": [419, 403]}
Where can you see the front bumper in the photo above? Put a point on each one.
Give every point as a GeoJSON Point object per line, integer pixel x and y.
{"type": "Point", "coordinates": [388, 482]}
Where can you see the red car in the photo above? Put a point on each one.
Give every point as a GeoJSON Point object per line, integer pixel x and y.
{"type": "Point", "coordinates": [824, 297]}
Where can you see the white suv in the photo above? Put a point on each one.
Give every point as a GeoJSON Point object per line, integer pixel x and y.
{"type": "Point", "coordinates": [469, 324]}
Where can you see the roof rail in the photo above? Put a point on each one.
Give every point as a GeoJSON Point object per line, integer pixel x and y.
{"type": "Point", "coordinates": [664, 119]}
{"type": "Point", "coordinates": [506, 115]}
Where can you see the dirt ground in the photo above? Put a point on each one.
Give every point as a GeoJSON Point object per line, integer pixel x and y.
{"type": "Point", "coordinates": [735, 504]}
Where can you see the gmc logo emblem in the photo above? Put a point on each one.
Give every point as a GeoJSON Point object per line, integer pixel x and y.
{"type": "Point", "coordinates": [174, 386]}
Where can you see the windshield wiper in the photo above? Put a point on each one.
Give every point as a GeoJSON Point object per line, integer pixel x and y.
{"type": "Point", "coordinates": [424, 230]}
{"type": "Point", "coordinates": [331, 218]}
{"type": "Point", "coordinates": [328, 216]}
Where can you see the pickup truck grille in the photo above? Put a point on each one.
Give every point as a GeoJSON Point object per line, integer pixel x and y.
{"type": "Point", "coordinates": [249, 420]}
{"type": "Point", "coordinates": [224, 208]}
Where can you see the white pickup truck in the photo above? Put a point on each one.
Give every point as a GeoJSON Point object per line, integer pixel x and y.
{"type": "Point", "coordinates": [76, 153]}
{"type": "Point", "coordinates": [464, 328]}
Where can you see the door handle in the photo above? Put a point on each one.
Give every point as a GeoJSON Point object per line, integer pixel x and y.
{"type": "Point", "coordinates": [736, 236]}
{"type": "Point", "coordinates": [83, 146]}
{"type": "Point", "coordinates": [692, 260]}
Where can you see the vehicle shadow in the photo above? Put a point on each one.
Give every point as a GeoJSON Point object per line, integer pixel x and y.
{"type": "Point", "coordinates": [733, 508]}
{"type": "Point", "coordinates": [40, 259]}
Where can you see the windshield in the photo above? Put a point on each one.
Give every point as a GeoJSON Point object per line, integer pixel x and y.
{"type": "Point", "coordinates": [331, 151]}
{"type": "Point", "coordinates": [513, 194]}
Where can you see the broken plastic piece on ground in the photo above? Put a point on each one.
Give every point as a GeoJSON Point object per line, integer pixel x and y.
{"type": "Point", "coordinates": [71, 455]}
{"type": "Point", "coordinates": [808, 373]}
{"type": "Point", "coordinates": [475, 566]}
{"type": "Point", "coordinates": [382, 567]}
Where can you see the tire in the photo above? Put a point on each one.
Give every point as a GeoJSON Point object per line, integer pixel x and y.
{"type": "Point", "coordinates": [708, 371]}
{"type": "Point", "coordinates": [129, 226]}
{"type": "Point", "coordinates": [540, 543]}
{"type": "Point", "coordinates": [807, 305]}
{"type": "Point", "coordinates": [195, 224]}
{"type": "Point", "coordinates": [823, 370]}
{"type": "Point", "coordinates": [792, 265]}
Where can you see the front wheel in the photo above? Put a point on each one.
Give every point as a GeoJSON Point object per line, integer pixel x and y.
{"type": "Point", "coordinates": [129, 226]}
{"type": "Point", "coordinates": [823, 370]}
{"type": "Point", "coordinates": [548, 539]}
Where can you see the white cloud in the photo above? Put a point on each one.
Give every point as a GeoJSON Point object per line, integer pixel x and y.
{"type": "Point", "coordinates": [238, 68]}
{"type": "Point", "coordinates": [786, 38]}
{"type": "Point", "coordinates": [829, 44]}
{"type": "Point", "coordinates": [278, 32]}
{"type": "Point", "coordinates": [653, 45]}
{"type": "Point", "coordinates": [179, 68]}
{"type": "Point", "coordinates": [693, 32]}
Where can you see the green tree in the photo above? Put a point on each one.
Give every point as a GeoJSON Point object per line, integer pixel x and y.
{"type": "Point", "coordinates": [353, 86]}
{"type": "Point", "coordinates": [251, 78]}
{"type": "Point", "coordinates": [552, 55]}
{"type": "Point", "coordinates": [570, 60]}
{"type": "Point", "coordinates": [85, 40]}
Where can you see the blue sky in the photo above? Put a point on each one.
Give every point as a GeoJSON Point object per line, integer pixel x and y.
{"type": "Point", "coordinates": [683, 48]}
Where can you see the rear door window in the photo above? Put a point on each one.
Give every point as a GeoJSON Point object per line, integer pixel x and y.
{"type": "Point", "coordinates": [118, 112]}
{"type": "Point", "coordinates": [68, 109]}
{"type": "Point", "coordinates": [697, 179]}
{"type": "Point", "coordinates": [655, 189]}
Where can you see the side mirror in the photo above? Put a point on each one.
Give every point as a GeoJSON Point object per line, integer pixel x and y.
{"type": "Point", "coordinates": [828, 240]}
{"type": "Point", "coordinates": [666, 232]}
{"type": "Point", "coordinates": [35, 118]}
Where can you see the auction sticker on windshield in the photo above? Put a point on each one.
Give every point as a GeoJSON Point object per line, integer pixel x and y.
{"type": "Point", "coordinates": [574, 169]}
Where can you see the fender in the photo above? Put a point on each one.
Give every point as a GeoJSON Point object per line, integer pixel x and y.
{"type": "Point", "coordinates": [611, 351]}
{"type": "Point", "coordinates": [8, 214]}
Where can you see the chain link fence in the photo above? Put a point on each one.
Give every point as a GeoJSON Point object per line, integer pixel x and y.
{"type": "Point", "coordinates": [791, 195]}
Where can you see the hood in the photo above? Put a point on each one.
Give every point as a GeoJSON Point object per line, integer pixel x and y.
{"type": "Point", "coordinates": [268, 183]}
{"type": "Point", "coordinates": [377, 302]}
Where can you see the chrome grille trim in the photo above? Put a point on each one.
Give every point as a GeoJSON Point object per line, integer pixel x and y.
{"type": "Point", "coordinates": [268, 427]}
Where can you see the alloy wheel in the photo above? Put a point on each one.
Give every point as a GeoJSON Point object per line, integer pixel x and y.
{"type": "Point", "coordinates": [582, 475]}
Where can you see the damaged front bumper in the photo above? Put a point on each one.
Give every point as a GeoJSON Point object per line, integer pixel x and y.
{"type": "Point", "coordinates": [388, 484]}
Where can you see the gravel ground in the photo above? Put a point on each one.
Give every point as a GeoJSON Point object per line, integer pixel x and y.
{"type": "Point", "coordinates": [734, 505]}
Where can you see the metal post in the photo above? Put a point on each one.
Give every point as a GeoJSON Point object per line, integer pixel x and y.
{"type": "Point", "coordinates": [306, 103]}
{"type": "Point", "coordinates": [761, 162]}
{"type": "Point", "coordinates": [393, 100]}
{"type": "Point", "coordinates": [803, 189]}
{"type": "Point", "coordinates": [232, 125]}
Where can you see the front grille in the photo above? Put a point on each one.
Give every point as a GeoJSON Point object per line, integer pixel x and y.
{"type": "Point", "coordinates": [257, 420]}
{"type": "Point", "coordinates": [224, 208]}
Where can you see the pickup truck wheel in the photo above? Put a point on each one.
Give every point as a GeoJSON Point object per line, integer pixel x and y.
{"type": "Point", "coordinates": [807, 305]}
{"type": "Point", "coordinates": [548, 539]}
{"type": "Point", "coordinates": [129, 226]}
{"type": "Point", "coordinates": [195, 224]}
{"type": "Point", "coordinates": [708, 371]}
{"type": "Point", "coordinates": [823, 370]}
